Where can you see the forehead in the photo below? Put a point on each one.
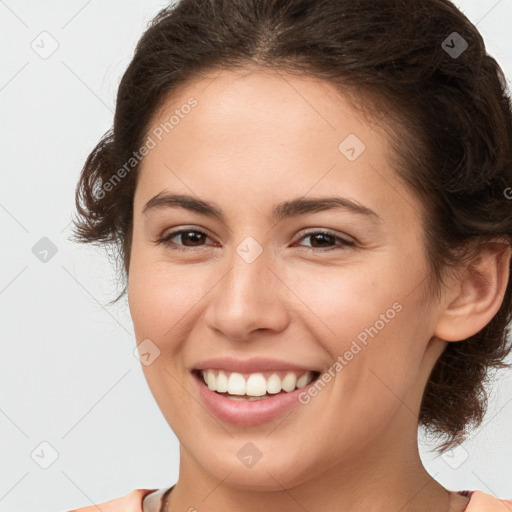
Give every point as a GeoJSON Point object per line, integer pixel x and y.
{"type": "Point", "coordinates": [263, 101]}
{"type": "Point", "coordinates": [270, 134]}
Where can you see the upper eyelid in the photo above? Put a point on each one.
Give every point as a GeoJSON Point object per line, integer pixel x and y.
{"type": "Point", "coordinates": [180, 231]}
{"type": "Point", "coordinates": [314, 231]}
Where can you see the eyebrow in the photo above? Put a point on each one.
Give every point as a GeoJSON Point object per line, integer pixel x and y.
{"type": "Point", "coordinates": [286, 209]}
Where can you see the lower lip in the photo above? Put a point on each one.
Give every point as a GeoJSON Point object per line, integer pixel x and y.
{"type": "Point", "coordinates": [248, 412]}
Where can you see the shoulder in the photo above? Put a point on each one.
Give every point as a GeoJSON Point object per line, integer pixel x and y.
{"type": "Point", "coordinates": [132, 502]}
{"type": "Point", "coordinates": [483, 502]}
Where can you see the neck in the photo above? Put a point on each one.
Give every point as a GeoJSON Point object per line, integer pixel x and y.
{"type": "Point", "coordinates": [387, 475]}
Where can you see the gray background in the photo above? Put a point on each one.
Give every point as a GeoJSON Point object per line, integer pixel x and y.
{"type": "Point", "coordinates": [68, 373]}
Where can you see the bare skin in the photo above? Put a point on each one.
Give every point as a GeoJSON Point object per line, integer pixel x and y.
{"type": "Point", "coordinates": [256, 139]}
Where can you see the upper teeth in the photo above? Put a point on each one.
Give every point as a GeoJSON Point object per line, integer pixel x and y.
{"type": "Point", "coordinates": [254, 384]}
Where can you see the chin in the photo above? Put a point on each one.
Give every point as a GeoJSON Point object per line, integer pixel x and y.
{"type": "Point", "coordinates": [265, 475]}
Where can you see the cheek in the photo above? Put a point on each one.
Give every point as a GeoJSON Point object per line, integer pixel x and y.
{"type": "Point", "coordinates": [384, 369]}
{"type": "Point", "coordinates": [370, 323]}
{"type": "Point", "coordinates": [345, 300]}
{"type": "Point", "coordinates": [161, 296]}
{"type": "Point", "coordinates": [373, 381]}
{"type": "Point", "coordinates": [158, 306]}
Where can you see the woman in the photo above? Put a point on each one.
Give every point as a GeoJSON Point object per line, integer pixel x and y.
{"type": "Point", "coordinates": [342, 167]}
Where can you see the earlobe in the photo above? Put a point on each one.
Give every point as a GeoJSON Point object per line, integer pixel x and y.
{"type": "Point", "coordinates": [476, 297]}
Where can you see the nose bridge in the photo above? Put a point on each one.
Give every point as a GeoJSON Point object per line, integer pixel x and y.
{"type": "Point", "coordinates": [247, 297]}
{"type": "Point", "coordinates": [249, 276]}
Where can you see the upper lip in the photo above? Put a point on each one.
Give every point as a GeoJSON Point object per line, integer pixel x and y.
{"type": "Point", "coordinates": [252, 365]}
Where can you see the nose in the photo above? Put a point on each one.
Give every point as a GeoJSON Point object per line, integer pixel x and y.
{"type": "Point", "coordinates": [249, 297]}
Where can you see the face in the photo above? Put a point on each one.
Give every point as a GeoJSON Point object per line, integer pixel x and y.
{"type": "Point", "coordinates": [273, 276]}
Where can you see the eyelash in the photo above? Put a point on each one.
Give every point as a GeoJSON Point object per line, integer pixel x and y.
{"type": "Point", "coordinates": [175, 247]}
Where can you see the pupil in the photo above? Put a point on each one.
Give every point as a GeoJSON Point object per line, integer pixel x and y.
{"type": "Point", "coordinates": [194, 234]}
{"type": "Point", "coordinates": [322, 236]}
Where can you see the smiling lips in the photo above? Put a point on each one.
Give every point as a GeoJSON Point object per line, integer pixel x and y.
{"type": "Point", "coordinates": [253, 391]}
{"type": "Point", "coordinates": [255, 378]}
{"type": "Point", "coordinates": [256, 384]}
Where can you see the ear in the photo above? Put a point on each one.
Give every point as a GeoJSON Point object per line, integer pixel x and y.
{"type": "Point", "coordinates": [475, 297]}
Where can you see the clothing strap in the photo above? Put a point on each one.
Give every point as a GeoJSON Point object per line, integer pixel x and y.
{"type": "Point", "coordinates": [163, 506]}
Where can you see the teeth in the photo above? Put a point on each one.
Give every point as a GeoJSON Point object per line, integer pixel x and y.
{"type": "Point", "coordinates": [221, 384]}
{"type": "Point", "coordinates": [273, 384]}
{"type": "Point", "coordinates": [289, 382]}
{"type": "Point", "coordinates": [211, 381]}
{"type": "Point", "coordinates": [256, 386]}
{"type": "Point", "coordinates": [236, 383]}
{"type": "Point", "coordinates": [302, 381]}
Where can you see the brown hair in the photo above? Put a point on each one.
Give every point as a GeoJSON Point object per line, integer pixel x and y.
{"type": "Point", "coordinates": [449, 125]}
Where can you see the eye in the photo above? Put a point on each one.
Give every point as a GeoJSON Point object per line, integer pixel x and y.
{"type": "Point", "coordinates": [324, 238]}
{"type": "Point", "coordinates": [194, 236]}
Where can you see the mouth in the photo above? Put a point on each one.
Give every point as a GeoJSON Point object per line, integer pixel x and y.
{"type": "Point", "coordinates": [257, 386]}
